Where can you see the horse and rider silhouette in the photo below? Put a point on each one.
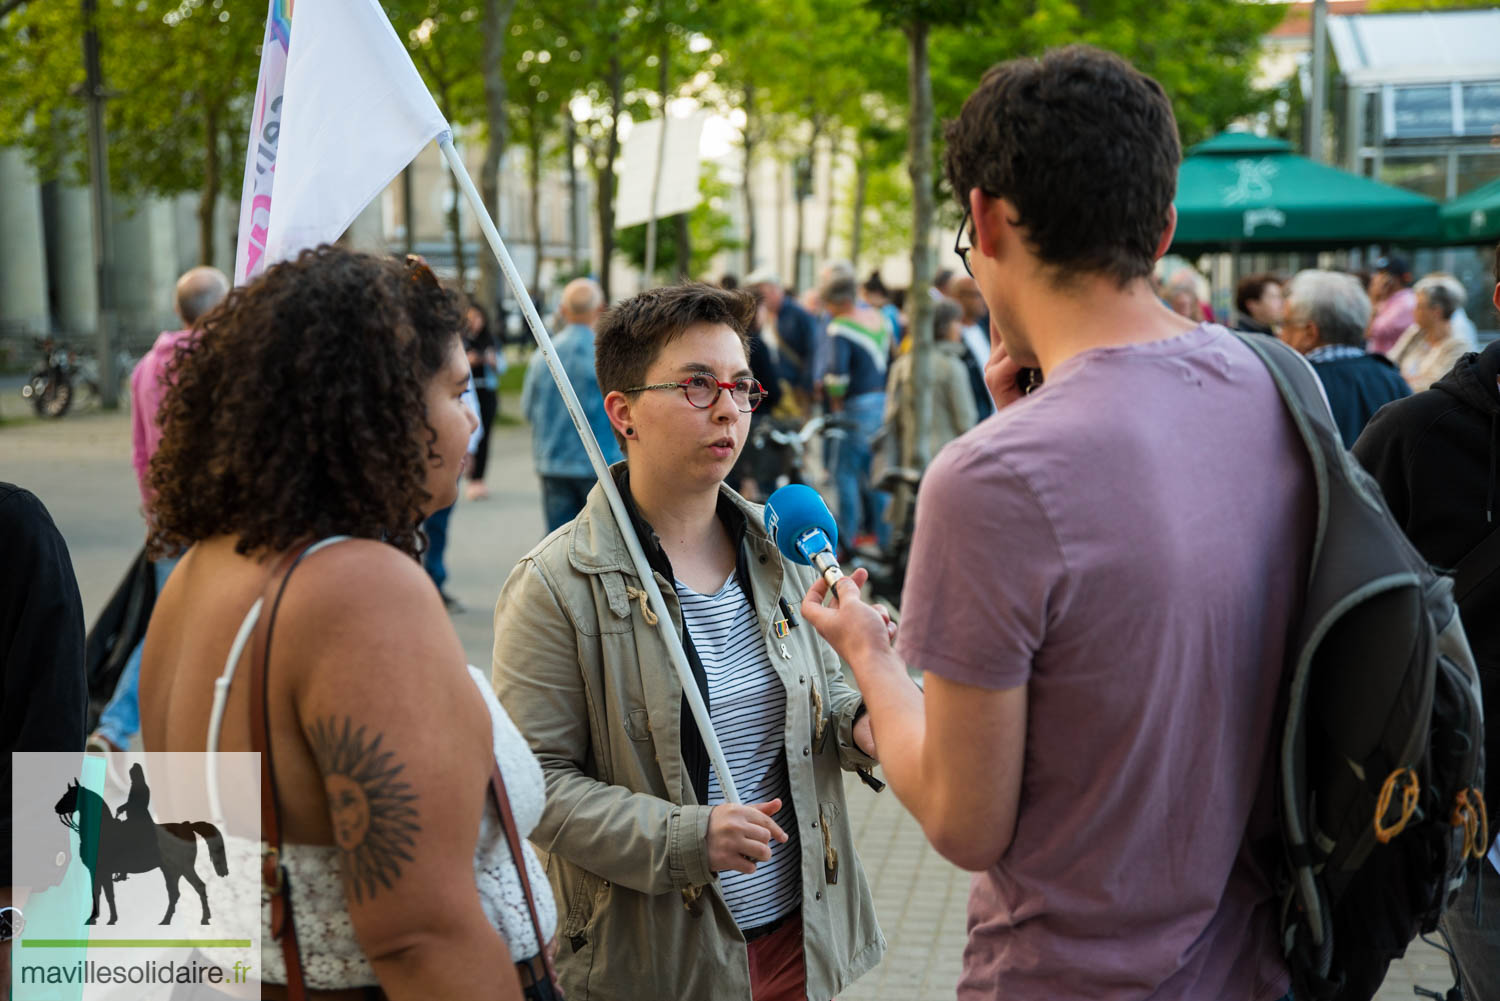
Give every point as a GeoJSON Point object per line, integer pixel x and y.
{"type": "Point", "coordinates": [115, 846]}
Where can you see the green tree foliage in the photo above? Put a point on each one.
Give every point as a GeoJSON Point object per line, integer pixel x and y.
{"type": "Point", "coordinates": [545, 71]}
{"type": "Point", "coordinates": [181, 76]}
{"type": "Point", "coordinates": [1204, 55]}
{"type": "Point", "coordinates": [807, 75]}
{"type": "Point", "coordinates": [447, 47]}
{"type": "Point", "coordinates": [885, 228]}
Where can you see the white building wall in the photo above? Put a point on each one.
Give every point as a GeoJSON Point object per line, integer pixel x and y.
{"type": "Point", "coordinates": [23, 254]}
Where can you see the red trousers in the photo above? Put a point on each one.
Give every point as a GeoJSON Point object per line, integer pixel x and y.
{"type": "Point", "coordinates": [777, 969]}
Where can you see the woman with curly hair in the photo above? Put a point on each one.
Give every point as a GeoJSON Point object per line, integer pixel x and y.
{"type": "Point", "coordinates": [322, 404]}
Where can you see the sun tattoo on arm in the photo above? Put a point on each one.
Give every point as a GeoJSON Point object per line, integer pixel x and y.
{"type": "Point", "coordinates": [371, 806]}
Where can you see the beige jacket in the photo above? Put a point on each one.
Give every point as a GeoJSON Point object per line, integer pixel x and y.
{"type": "Point", "coordinates": [584, 672]}
{"type": "Point", "coordinates": [953, 409]}
{"type": "Point", "coordinates": [1423, 363]}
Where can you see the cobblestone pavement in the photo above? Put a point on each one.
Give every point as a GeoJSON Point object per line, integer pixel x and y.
{"type": "Point", "coordinates": [80, 468]}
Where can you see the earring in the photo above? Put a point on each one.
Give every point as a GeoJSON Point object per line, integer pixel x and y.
{"type": "Point", "coordinates": [630, 432]}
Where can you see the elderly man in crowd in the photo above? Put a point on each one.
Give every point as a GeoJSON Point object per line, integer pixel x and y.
{"type": "Point", "coordinates": [789, 328]}
{"type": "Point", "coordinates": [562, 463]}
{"type": "Point", "coordinates": [1325, 318]}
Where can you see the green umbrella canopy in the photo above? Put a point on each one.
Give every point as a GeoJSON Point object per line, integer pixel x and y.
{"type": "Point", "coordinates": [1475, 217]}
{"type": "Point", "coordinates": [1243, 189]}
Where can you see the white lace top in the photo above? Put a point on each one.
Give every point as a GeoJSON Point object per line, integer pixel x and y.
{"type": "Point", "coordinates": [331, 956]}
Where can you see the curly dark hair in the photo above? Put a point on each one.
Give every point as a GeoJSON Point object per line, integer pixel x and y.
{"type": "Point", "coordinates": [296, 410]}
{"type": "Point", "coordinates": [1084, 146]}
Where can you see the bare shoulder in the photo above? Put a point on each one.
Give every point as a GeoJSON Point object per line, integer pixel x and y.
{"type": "Point", "coordinates": [360, 577]}
{"type": "Point", "coordinates": [367, 608]}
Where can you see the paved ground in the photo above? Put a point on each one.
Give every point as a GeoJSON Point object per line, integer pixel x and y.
{"type": "Point", "coordinates": [80, 467]}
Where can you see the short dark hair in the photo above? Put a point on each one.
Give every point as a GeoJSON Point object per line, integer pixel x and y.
{"type": "Point", "coordinates": [631, 334]}
{"type": "Point", "coordinates": [1250, 290]}
{"type": "Point", "coordinates": [298, 409]}
{"type": "Point", "coordinates": [1084, 146]}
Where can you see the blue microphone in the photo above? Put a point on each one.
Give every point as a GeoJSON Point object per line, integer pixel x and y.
{"type": "Point", "coordinates": [804, 530]}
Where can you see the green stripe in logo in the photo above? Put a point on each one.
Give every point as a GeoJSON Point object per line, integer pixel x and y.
{"type": "Point", "coordinates": [135, 943]}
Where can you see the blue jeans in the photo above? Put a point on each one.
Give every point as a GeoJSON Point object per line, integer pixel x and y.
{"type": "Point", "coordinates": [121, 719]}
{"type": "Point", "coordinates": [851, 471]}
{"type": "Point", "coordinates": [436, 527]}
{"type": "Point", "coordinates": [563, 497]}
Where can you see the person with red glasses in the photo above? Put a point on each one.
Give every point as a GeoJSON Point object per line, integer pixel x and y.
{"type": "Point", "coordinates": [669, 891]}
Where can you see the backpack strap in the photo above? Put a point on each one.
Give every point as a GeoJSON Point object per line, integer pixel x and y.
{"type": "Point", "coordinates": [1478, 565]}
{"type": "Point", "coordinates": [1299, 386]}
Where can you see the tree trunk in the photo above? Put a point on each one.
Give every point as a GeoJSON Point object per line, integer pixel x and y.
{"type": "Point", "coordinates": [536, 204]}
{"type": "Point", "coordinates": [572, 142]}
{"type": "Point", "coordinates": [208, 197]}
{"type": "Point", "coordinates": [496, 26]}
{"type": "Point", "coordinates": [748, 185]}
{"type": "Point", "coordinates": [781, 192]}
{"type": "Point", "coordinates": [801, 193]}
{"type": "Point", "coordinates": [684, 247]}
{"type": "Point", "coordinates": [407, 210]}
{"type": "Point", "coordinates": [663, 76]}
{"type": "Point", "coordinates": [861, 189]}
{"type": "Point", "coordinates": [456, 231]}
{"type": "Point", "coordinates": [917, 407]}
{"type": "Point", "coordinates": [796, 275]}
{"type": "Point", "coordinates": [606, 169]}
{"type": "Point", "coordinates": [833, 154]}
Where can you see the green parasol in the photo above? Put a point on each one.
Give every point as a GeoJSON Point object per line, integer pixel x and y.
{"type": "Point", "coordinates": [1475, 217]}
{"type": "Point", "coordinates": [1246, 191]}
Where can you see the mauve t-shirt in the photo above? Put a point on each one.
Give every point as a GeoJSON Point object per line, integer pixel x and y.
{"type": "Point", "coordinates": [1131, 542]}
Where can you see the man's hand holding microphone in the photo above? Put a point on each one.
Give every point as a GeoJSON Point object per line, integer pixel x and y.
{"type": "Point", "coordinates": [804, 530]}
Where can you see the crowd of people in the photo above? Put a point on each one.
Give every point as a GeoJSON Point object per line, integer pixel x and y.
{"type": "Point", "coordinates": [1372, 337]}
{"type": "Point", "coordinates": [1105, 577]}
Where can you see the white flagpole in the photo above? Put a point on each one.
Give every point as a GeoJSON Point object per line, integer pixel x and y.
{"type": "Point", "coordinates": [601, 469]}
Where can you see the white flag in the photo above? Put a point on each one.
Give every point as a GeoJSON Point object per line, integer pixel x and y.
{"type": "Point", "coordinates": [260, 154]}
{"type": "Point", "coordinates": [354, 114]}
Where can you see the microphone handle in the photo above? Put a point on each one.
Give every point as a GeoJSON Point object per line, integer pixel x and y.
{"type": "Point", "coordinates": [829, 567]}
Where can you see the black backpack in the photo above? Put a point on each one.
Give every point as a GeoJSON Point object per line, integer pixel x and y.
{"type": "Point", "coordinates": [1381, 758]}
{"type": "Point", "coordinates": [120, 627]}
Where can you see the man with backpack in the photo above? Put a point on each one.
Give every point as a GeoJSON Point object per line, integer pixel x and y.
{"type": "Point", "coordinates": [1436, 456]}
{"type": "Point", "coordinates": [1105, 578]}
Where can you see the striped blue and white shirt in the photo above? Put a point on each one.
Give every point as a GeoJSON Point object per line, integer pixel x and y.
{"type": "Point", "coordinates": [747, 706]}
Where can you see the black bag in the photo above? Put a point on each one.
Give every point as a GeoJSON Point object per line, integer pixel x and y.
{"type": "Point", "coordinates": [1381, 761]}
{"type": "Point", "coordinates": [116, 633]}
